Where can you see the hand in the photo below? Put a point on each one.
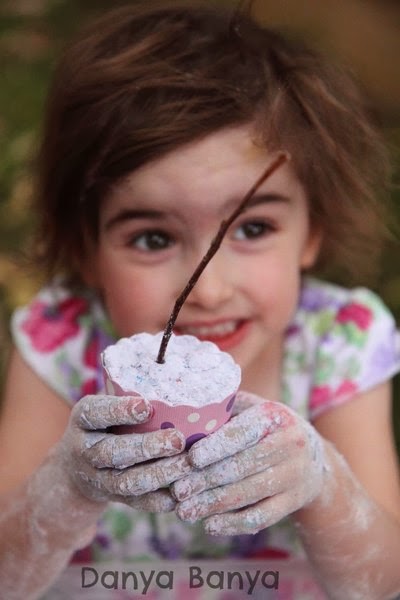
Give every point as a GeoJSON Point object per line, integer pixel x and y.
{"type": "Point", "coordinates": [105, 466]}
{"type": "Point", "coordinates": [261, 466]}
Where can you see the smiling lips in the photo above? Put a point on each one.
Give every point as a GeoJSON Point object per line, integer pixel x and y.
{"type": "Point", "coordinates": [225, 334]}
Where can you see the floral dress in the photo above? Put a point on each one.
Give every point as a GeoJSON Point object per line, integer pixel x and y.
{"type": "Point", "coordinates": [339, 343]}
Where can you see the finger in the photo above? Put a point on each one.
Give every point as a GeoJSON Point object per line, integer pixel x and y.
{"type": "Point", "coordinates": [222, 499]}
{"type": "Point", "coordinates": [269, 452]}
{"type": "Point", "coordinates": [143, 478]}
{"type": "Point", "coordinates": [252, 519]}
{"type": "Point", "coordinates": [106, 450]}
{"type": "Point", "coordinates": [245, 400]}
{"type": "Point", "coordinates": [100, 412]}
{"type": "Point", "coordinates": [159, 501]}
{"type": "Point", "coordinates": [241, 432]}
{"type": "Point", "coordinates": [242, 493]}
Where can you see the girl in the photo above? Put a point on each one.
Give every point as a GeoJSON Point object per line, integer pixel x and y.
{"type": "Point", "coordinates": [160, 118]}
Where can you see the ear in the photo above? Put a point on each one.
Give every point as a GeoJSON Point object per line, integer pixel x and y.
{"type": "Point", "coordinates": [311, 248]}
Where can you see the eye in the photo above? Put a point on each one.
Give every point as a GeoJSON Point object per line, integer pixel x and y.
{"type": "Point", "coordinates": [252, 230]}
{"type": "Point", "coordinates": [151, 241]}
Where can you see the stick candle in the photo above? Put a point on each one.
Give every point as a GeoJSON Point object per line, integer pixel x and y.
{"type": "Point", "coordinates": [215, 244]}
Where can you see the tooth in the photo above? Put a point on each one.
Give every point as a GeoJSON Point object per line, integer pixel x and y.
{"type": "Point", "coordinates": [222, 329]}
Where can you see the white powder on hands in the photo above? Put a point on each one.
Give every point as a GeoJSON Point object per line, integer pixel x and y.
{"type": "Point", "coordinates": [194, 372]}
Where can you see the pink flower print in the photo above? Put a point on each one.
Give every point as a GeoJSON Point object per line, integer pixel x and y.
{"type": "Point", "coordinates": [269, 554]}
{"type": "Point", "coordinates": [48, 327]}
{"type": "Point", "coordinates": [91, 353]}
{"type": "Point", "coordinates": [320, 395]}
{"type": "Point", "coordinates": [89, 387]}
{"type": "Point", "coordinates": [347, 388]}
{"type": "Point", "coordinates": [355, 313]}
{"type": "Point", "coordinates": [84, 555]}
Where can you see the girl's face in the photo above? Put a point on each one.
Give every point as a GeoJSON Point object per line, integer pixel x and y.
{"type": "Point", "coordinates": [157, 224]}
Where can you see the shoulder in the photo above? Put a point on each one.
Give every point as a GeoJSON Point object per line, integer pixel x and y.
{"type": "Point", "coordinates": [350, 340]}
{"type": "Point", "coordinates": [358, 305]}
{"type": "Point", "coordinates": [60, 334]}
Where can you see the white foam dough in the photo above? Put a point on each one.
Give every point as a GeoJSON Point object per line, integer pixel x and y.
{"type": "Point", "coordinates": [194, 372]}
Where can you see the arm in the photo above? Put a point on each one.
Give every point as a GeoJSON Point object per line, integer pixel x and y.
{"type": "Point", "coordinates": [352, 531]}
{"type": "Point", "coordinates": [270, 463]}
{"type": "Point", "coordinates": [60, 468]}
{"type": "Point", "coordinates": [32, 421]}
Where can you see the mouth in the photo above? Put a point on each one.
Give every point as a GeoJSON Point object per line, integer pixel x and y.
{"type": "Point", "coordinates": [225, 334]}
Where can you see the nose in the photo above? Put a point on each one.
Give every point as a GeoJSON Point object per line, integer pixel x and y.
{"type": "Point", "coordinates": [215, 286]}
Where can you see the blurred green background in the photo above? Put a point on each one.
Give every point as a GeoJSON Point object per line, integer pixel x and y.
{"type": "Point", "coordinates": [364, 34]}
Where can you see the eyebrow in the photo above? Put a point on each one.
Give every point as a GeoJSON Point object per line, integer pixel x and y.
{"type": "Point", "coordinates": [260, 198]}
{"type": "Point", "coordinates": [131, 214]}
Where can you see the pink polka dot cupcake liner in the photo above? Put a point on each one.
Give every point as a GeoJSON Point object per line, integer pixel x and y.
{"type": "Point", "coordinates": [194, 391]}
{"type": "Point", "coordinates": [193, 421]}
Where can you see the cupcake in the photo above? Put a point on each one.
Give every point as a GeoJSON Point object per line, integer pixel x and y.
{"type": "Point", "coordinates": [193, 390]}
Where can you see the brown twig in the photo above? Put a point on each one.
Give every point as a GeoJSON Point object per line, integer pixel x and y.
{"type": "Point", "coordinates": [215, 244]}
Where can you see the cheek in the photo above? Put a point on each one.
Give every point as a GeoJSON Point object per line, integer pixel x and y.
{"type": "Point", "coordinates": [275, 287]}
{"type": "Point", "coordinates": [137, 301]}
{"type": "Point", "coordinates": [277, 272]}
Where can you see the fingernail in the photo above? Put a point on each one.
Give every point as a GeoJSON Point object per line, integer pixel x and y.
{"type": "Point", "coordinates": [212, 526]}
{"type": "Point", "coordinates": [141, 408]}
{"type": "Point", "coordinates": [187, 513]}
{"type": "Point", "coordinates": [181, 490]}
{"type": "Point", "coordinates": [177, 441]}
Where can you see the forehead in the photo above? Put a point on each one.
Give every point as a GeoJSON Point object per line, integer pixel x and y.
{"type": "Point", "coordinates": [225, 163]}
{"type": "Point", "coordinates": [217, 152]}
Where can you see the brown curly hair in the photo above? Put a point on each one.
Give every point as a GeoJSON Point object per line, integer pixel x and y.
{"type": "Point", "coordinates": [147, 78]}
